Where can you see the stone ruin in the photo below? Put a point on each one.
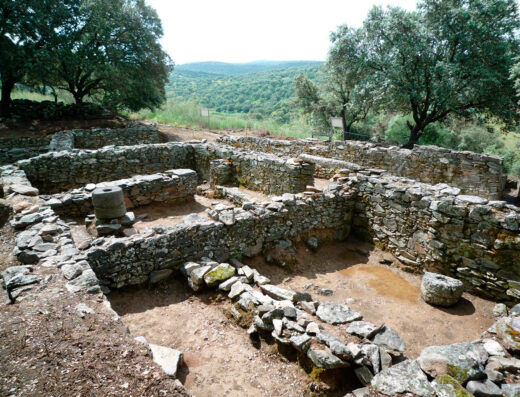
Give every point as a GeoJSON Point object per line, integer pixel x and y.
{"type": "Point", "coordinates": [435, 210]}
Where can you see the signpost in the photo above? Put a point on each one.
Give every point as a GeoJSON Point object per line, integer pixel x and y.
{"type": "Point", "coordinates": [204, 112]}
{"type": "Point", "coordinates": [337, 122]}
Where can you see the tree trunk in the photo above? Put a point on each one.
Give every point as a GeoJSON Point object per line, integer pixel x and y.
{"type": "Point", "coordinates": [78, 97]}
{"type": "Point", "coordinates": [5, 102]}
{"type": "Point", "coordinates": [346, 129]}
{"type": "Point", "coordinates": [415, 133]}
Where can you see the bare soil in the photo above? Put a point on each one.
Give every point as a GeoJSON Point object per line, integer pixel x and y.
{"type": "Point", "coordinates": [383, 294]}
{"type": "Point", "coordinates": [182, 134]}
{"type": "Point", "coordinates": [221, 360]}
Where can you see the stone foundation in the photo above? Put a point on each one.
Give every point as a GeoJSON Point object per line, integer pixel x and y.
{"type": "Point", "coordinates": [476, 174]}
{"type": "Point", "coordinates": [130, 260]}
{"type": "Point", "coordinates": [14, 149]}
{"type": "Point", "coordinates": [169, 187]}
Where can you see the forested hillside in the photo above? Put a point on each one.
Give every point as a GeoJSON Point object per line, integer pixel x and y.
{"type": "Point", "coordinates": [231, 88]}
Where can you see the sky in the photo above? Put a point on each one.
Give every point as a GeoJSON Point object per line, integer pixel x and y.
{"type": "Point", "coordinates": [245, 30]}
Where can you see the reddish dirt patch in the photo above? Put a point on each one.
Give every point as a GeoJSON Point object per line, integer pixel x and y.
{"type": "Point", "coordinates": [220, 359]}
{"type": "Point", "coordinates": [381, 293]}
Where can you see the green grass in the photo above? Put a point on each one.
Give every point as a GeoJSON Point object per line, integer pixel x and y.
{"type": "Point", "coordinates": [187, 114]}
{"type": "Point", "coordinates": [63, 96]}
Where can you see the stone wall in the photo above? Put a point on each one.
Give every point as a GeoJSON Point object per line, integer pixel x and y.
{"type": "Point", "coordinates": [13, 149]}
{"type": "Point", "coordinates": [257, 171]}
{"type": "Point", "coordinates": [262, 172]}
{"type": "Point", "coordinates": [476, 174]}
{"type": "Point", "coordinates": [437, 228]}
{"type": "Point", "coordinates": [61, 171]}
{"type": "Point", "coordinates": [96, 138]}
{"type": "Point", "coordinates": [172, 186]}
{"type": "Point", "coordinates": [127, 261]}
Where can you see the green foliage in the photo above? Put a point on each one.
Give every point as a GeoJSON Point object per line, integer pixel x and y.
{"type": "Point", "coordinates": [448, 57]}
{"type": "Point", "coordinates": [107, 50]}
{"type": "Point", "coordinates": [187, 114]}
{"type": "Point", "coordinates": [263, 94]}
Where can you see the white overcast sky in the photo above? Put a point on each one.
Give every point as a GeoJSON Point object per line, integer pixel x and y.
{"type": "Point", "coordinates": [244, 30]}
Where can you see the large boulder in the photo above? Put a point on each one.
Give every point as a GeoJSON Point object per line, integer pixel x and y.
{"type": "Point", "coordinates": [335, 313]}
{"type": "Point", "coordinates": [463, 361]}
{"type": "Point", "coordinates": [405, 377]}
{"type": "Point", "coordinates": [440, 290]}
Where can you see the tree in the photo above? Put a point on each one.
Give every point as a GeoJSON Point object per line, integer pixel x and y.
{"type": "Point", "coordinates": [20, 41]}
{"type": "Point", "coordinates": [347, 89]}
{"type": "Point", "coordinates": [109, 50]}
{"type": "Point", "coordinates": [448, 57]}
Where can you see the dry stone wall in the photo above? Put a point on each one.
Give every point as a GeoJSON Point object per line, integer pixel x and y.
{"type": "Point", "coordinates": [96, 138]}
{"type": "Point", "coordinates": [18, 148]}
{"type": "Point", "coordinates": [258, 171]}
{"type": "Point", "coordinates": [61, 171]}
{"type": "Point", "coordinates": [13, 149]}
{"type": "Point", "coordinates": [126, 261]}
{"type": "Point", "coordinates": [437, 228]}
{"type": "Point", "coordinates": [171, 186]}
{"type": "Point", "coordinates": [475, 174]}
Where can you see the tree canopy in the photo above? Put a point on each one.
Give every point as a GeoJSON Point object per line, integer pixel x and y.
{"type": "Point", "coordinates": [346, 89]}
{"type": "Point", "coordinates": [107, 50]}
{"type": "Point", "coordinates": [448, 57]}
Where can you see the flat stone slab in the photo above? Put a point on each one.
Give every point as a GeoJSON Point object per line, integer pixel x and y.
{"type": "Point", "coordinates": [277, 293]}
{"type": "Point", "coordinates": [405, 377]}
{"type": "Point", "coordinates": [363, 329]}
{"type": "Point", "coordinates": [335, 313]}
{"type": "Point", "coordinates": [484, 388]}
{"type": "Point", "coordinates": [324, 359]}
{"type": "Point", "coordinates": [440, 290]}
{"type": "Point", "coordinates": [169, 359]}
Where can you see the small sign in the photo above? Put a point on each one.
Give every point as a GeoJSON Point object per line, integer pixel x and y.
{"type": "Point", "coordinates": [204, 112]}
{"type": "Point", "coordinates": [336, 122]}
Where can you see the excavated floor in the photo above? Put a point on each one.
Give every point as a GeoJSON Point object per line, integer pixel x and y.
{"type": "Point", "coordinates": [219, 356]}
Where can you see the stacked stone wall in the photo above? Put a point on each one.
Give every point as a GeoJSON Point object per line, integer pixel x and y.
{"type": "Point", "coordinates": [475, 174]}
{"type": "Point", "coordinates": [257, 171]}
{"type": "Point", "coordinates": [437, 228]}
{"type": "Point", "coordinates": [13, 149]}
{"type": "Point", "coordinates": [96, 138]}
{"type": "Point", "coordinates": [172, 186]}
{"type": "Point", "coordinates": [130, 260]}
{"type": "Point", "coordinates": [61, 171]}
{"type": "Point", "coordinates": [262, 172]}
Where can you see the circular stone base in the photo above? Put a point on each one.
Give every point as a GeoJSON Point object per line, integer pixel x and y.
{"type": "Point", "coordinates": [440, 290]}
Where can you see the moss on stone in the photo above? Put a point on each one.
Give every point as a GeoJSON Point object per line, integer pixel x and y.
{"type": "Point", "coordinates": [446, 379]}
{"type": "Point", "coordinates": [459, 374]}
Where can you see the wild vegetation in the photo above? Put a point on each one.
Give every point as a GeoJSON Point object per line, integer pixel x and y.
{"type": "Point", "coordinates": [104, 50]}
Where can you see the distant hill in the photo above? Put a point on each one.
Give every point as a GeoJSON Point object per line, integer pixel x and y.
{"type": "Point", "coordinates": [262, 89]}
{"type": "Point", "coordinates": [228, 69]}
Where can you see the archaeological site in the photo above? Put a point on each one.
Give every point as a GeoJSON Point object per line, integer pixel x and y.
{"type": "Point", "coordinates": [253, 266]}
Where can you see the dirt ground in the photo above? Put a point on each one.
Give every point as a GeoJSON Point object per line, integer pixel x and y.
{"type": "Point", "coordinates": [220, 359]}
{"type": "Point", "coordinates": [196, 324]}
{"type": "Point", "coordinates": [383, 294]}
